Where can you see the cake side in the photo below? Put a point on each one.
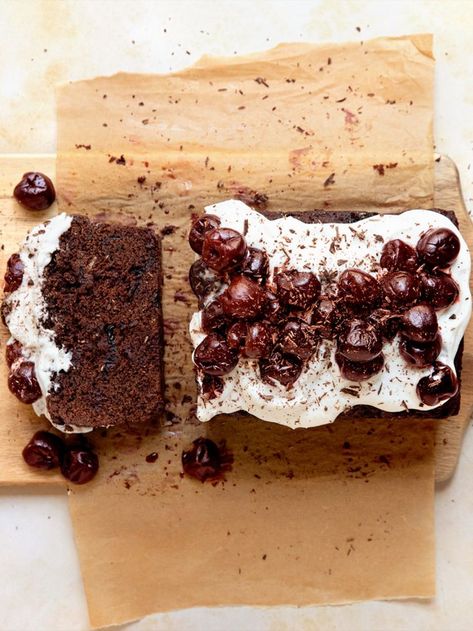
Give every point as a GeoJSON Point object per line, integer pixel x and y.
{"type": "Point", "coordinates": [390, 385]}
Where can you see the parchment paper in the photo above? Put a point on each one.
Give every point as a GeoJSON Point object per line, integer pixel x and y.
{"type": "Point", "coordinates": [335, 514]}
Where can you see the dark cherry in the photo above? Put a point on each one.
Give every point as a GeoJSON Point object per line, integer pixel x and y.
{"type": "Point", "coordinates": [326, 317]}
{"type": "Point", "coordinates": [13, 352]}
{"type": "Point", "coordinates": [203, 281]}
{"type": "Point", "coordinates": [259, 340]}
{"type": "Point", "coordinates": [398, 255]}
{"type": "Point", "coordinates": [199, 229]}
{"type": "Point", "coordinates": [255, 265]}
{"type": "Point", "coordinates": [243, 299]}
{"type": "Point", "coordinates": [359, 341]}
{"type": "Point", "coordinates": [439, 289]}
{"type": "Point", "coordinates": [14, 273]}
{"type": "Point", "coordinates": [223, 249]}
{"type": "Point", "coordinates": [236, 335]}
{"type": "Point", "coordinates": [279, 367]}
{"type": "Point", "coordinates": [213, 317]}
{"type": "Point", "coordinates": [419, 323]}
{"type": "Point", "coordinates": [358, 288]}
{"type": "Point", "coordinates": [438, 247]}
{"type": "Point", "coordinates": [387, 322]}
{"type": "Point", "coordinates": [420, 354]}
{"type": "Point", "coordinates": [23, 383]}
{"type": "Point", "coordinates": [44, 451]}
{"type": "Point", "coordinates": [359, 371]}
{"type": "Point", "coordinates": [298, 338]}
{"type": "Point", "coordinates": [35, 191]}
{"type": "Point", "coordinates": [440, 385]}
{"type": "Point", "coordinates": [214, 357]}
{"type": "Point", "coordinates": [79, 465]}
{"type": "Point", "coordinates": [273, 309]}
{"type": "Point", "coordinates": [203, 460]}
{"type": "Point", "coordinates": [298, 290]}
{"type": "Point", "coordinates": [211, 387]}
{"type": "Point", "coordinates": [401, 289]}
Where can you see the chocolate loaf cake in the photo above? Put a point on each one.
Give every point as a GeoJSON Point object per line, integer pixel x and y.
{"type": "Point", "coordinates": [309, 316]}
{"type": "Point", "coordinates": [83, 306]}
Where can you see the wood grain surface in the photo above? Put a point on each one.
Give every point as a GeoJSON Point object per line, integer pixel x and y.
{"type": "Point", "coordinates": [18, 421]}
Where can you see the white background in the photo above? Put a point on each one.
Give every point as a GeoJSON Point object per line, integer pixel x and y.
{"type": "Point", "coordinates": [45, 42]}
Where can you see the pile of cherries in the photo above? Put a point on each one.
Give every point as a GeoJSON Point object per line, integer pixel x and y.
{"type": "Point", "coordinates": [281, 322]}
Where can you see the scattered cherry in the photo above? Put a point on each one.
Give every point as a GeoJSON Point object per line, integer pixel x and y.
{"type": "Point", "coordinates": [35, 191]}
{"type": "Point", "coordinates": [298, 290]}
{"type": "Point", "coordinates": [298, 338]}
{"type": "Point", "coordinates": [243, 298]}
{"type": "Point", "coordinates": [420, 354]}
{"type": "Point", "coordinates": [439, 289]}
{"type": "Point", "coordinates": [359, 371]}
{"type": "Point", "coordinates": [14, 273]}
{"type": "Point", "coordinates": [199, 229]}
{"type": "Point", "coordinates": [280, 367]}
{"type": "Point", "coordinates": [203, 281]}
{"type": "Point", "coordinates": [203, 460]}
{"type": "Point", "coordinates": [236, 335]}
{"type": "Point", "coordinates": [325, 317]}
{"type": "Point", "coordinates": [255, 264]}
{"type": "Point", "coordinates": [79, 465]}
{"type": "Point", "coordinates": [438, 247]}
{"type": "Point", "coordinates": [23, 383]}
{"type": "Point", "coordinates": [359, 341]}
{"type": "Point", "coordinates": [13, 352]}
{"type": "Point", "coordinates": [419, 323]}
{"type": "Point", "coordinates": [259, 340]}
{"type": "Point", "coordinates": [214, 357]}
{"type": "Point", "coordinates": [401, 289]}
{"type": "Point", "coordinates": [213, 317]}
{"type": "Point", "coordinates": [223, 249]}
{"type": "Point", "coordinates": [397, 255]}
{"type": "Point", "coordinates": [358, 288]}
{"type": "Point", "coordinates": [44, 451]}
{"type": "Point", "coordinates": [440, 385]}
{"type": "Point", "coordinates": [212, 386]}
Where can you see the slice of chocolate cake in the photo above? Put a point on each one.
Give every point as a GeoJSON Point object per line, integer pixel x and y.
{"type": "Point", "coordinates": [83, 306]}
{"type": "Point", "coordinates": [310, 316]}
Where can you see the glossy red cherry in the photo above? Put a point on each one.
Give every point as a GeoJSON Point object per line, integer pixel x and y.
{"type": "Point", "coordinates": [79, 465]}
{"type": "Point", "coordinates": [214, 357]}
{"type": "Point", "coordinates": [23, 383]}
{"type": "Point", "coordinates": [439, 290]}
{"type": "Point", "coordinates": [199, 229]}
{"type": "Point", "coordinates": [280, 368]}
{"type": "Point", "coordinates": [223, 249]}
{"type": "Point", "coordinates": [439, 386]}
{"type": "Point", "coordinates": [358, 288]}
{"type": "Point", "coordinates": [203, 461]}
{"type": "Point", "coordinates": [401, 289]}
{"type": "Point", "coordinates": [398, 255]}
{"type": "Point", "coordinates": [359, 341]}
{"type": "Point", "coordinates": [298, 290]}
{"type": "Point", "coordinates": [420, 354]}
{"type": "Point", "coordinates": [255, 265]}
{"type": "Point", "coordinates": [236, 335]}
{"type": "Point", "coordinates": [359, 371]}
{"type": "Point", "coordinates": [243, 299]}
{"type": "Point", "coordinates": [213, 317]}
{"type": "Point", "coordinates": [44, 451]}
{"type": "Point", "coordinates": [13, 352]}
{"type": "Point", "coordinates": [203, 281]}
{"type": "Point", "coordinates": [419, 323]}
{"type": "Point", "coordinates": [273, 311]}
{"type": "Point", "coordinates": [35, 191]}
{"type": "Point", "coordinates": [298, 338]}
{"type": "Point", "coordinates": [259, 340]}
{"type": "Point", "coordinates": [438, 247]}
{"type": "Point", "coordinates": [212, 387]}
{"type": "Point", "coordinates": [14, 274]}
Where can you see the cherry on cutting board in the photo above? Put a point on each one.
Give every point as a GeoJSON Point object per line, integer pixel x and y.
{"type": "Point", "coordinates": [35, 191]}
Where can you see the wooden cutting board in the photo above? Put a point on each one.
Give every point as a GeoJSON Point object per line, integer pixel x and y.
{"type": "Point", "coordinates": [14, 223]}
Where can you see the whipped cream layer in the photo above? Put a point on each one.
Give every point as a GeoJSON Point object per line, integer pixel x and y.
{"type": "Point", "coordinates": [27, 312]}
{"type": "Point", "coordinates": [320, 394]}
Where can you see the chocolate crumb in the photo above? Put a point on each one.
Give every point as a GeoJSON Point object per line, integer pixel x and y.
{"type": "Point", "coordinates": [330, 180]}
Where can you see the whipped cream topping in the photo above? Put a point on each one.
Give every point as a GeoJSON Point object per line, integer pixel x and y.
{"type": "Point", "coordinates": [321, 393]}
{"type": "Point", "coordinates": [27, 312]}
